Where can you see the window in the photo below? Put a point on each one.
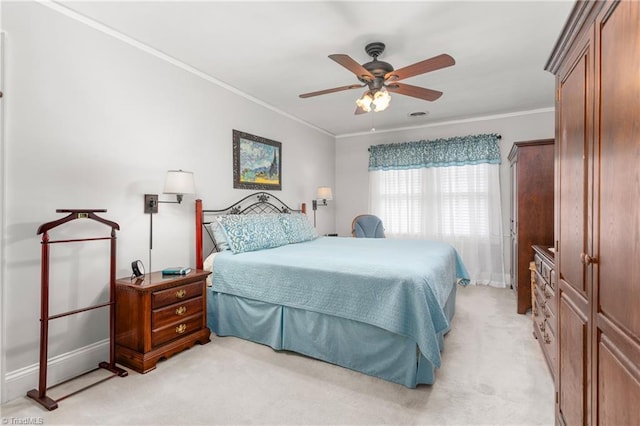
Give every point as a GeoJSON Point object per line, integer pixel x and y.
{"type": "Point", "coordinates": [458, 204]}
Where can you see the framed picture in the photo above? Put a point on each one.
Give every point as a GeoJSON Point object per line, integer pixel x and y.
{"type": "Point", "coordinates": [257, 162]}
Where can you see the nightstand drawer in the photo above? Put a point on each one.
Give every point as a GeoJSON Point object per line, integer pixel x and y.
{"type": "Point", "coordinates": [164, 316]}
{"type": "Point", "coordinates": [176, 294]}
{"type": "Point", "coordinates": [176, 330]}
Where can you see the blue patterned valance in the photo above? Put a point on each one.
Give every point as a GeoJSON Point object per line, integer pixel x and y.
{"type": "Point", "coordinates": [456, 151]}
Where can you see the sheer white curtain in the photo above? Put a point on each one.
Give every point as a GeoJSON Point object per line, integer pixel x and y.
{"type": "Point", "coordinates": [459, 205]}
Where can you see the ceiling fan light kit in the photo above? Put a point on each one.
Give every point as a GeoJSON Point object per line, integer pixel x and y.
{"type": "Point", "coordinates": [380, 78]}
{"type": "Point", "coordinates": [374, 101]}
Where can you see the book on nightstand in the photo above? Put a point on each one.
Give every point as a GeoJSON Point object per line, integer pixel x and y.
{"type": "Point", "coordinates": [176, 270]}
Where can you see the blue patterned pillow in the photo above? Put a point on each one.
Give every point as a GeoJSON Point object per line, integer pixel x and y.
{"type": "Point", "coordinates": [297, 227]}
{"type": "Point", "coordinates": [252, 232]}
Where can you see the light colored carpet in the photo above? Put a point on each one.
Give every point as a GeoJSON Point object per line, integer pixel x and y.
{"type": "Point", "coordinates": [493, 373]}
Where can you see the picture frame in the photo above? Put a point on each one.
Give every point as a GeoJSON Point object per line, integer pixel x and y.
{"type": "Point", "coordinates": [257, 162]}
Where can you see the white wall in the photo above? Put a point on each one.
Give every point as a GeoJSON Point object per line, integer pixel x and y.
{"type": "Point", "coordinates": [352, 158]}
{"type": "Point", "coordinates": [94, 122]}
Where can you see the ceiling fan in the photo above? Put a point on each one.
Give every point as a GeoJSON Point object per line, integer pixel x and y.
{"type": "Point", "coordinates": [381, 78]}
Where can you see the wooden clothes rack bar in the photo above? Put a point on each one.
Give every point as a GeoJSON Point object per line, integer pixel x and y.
{"type": "Point", "coordinates": [40, 394]}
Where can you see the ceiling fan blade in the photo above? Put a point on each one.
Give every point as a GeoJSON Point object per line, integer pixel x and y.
{"type": "Point", "coordinates": [428, 65]}
{"type": "Point", "coordinates": [359, 111]}
{"type": "Point", "coordinates": [350, 64]}
{"type": "Point", "coordinates": [335, 89]}
{"type": "Point", "coordinates": [415, 91]}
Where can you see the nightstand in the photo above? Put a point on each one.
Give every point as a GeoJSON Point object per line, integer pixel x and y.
{"type": "Point", "coordinates": [158, 316]}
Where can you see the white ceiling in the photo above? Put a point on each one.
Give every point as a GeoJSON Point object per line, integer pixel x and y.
{"type": "Point", "coordinates": [274, 51]}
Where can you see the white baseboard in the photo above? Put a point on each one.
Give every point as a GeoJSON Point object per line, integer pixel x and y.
{"type": "Point", "coordinates": [59, 368]}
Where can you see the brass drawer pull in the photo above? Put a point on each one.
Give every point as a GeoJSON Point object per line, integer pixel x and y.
{"type": "Point", "coordinates": [181, 310]}
{"type": "Point", "coordinates": [181, 293]}
{"type": "Point", "coordinates": [181, 328]}
{"type": "Point", "coordinates": [547, 339]}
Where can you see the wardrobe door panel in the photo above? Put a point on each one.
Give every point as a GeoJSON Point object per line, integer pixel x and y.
{"type": "Point", "coordinates": [619, 390]}
{"type": "Point", "coordinates": [616, 268]}
{"type": "Point", "coordinates": [572, 151]}
{"type": "Point", "coordinates": [619, 268]}
{"type": "Point", "coordinates": [572, 368]}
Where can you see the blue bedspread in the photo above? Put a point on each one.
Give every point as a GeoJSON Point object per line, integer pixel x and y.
{"type": "Point", "coordinates": [398, 285]}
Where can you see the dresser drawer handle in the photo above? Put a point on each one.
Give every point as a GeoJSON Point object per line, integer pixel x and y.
{"type": "Point", "coordinates": [542, 326]}
{"type": "Point", "coordinates": [181, 310]}
{"type": "Point", "coordinates": [181, 328]}
{"type": "Point", "coordinates": [546, 294]}
{"type": "Point", "coordinates": [547, 339]}
{"type": "Point", "coordinates": [181, 293]}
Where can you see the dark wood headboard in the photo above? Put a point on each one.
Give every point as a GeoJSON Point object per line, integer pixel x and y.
{"type": "Point", "coordinates": [256, 203]}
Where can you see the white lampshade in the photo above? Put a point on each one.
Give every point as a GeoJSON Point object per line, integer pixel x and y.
{"type": "Point", "coordinates": [324, 193]}
{"type": "Point", "coordinates": [179, 182]}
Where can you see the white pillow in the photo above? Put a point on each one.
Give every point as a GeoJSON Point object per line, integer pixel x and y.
{"type": "Point", "coordinates": [207, 265]}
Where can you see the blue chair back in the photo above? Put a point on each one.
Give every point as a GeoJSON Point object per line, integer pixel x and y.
{"type": "Point", "coordinates": [367, 226]}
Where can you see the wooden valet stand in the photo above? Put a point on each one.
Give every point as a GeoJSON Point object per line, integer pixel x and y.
{"type": "Point", "coordinates": [40, 394]}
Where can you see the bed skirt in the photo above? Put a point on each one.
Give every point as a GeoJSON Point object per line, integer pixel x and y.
{"type": "Point", "coordinates": [352, 344]}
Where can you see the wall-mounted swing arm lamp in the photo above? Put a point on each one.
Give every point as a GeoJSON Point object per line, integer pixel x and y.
{"type": "Point", "coordinates": [323, 194]}
{"type": "Point", "coordinates": [178, 182]}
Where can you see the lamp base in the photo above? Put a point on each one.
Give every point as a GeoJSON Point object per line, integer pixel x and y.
{"type": "Point", "coordinates": [151, 203]}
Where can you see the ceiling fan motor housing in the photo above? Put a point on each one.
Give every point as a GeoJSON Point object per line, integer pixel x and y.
{"type": "Point", "coordinates": [377, 68]}
{"type": "Point", "coordinates": [374, 49]}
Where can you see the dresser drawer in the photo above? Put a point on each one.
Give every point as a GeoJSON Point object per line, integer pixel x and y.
{"type": "Point", "coordinates": [538, 261]}
{"type": "Point", "coordinates": [540, 290]}
{"type": "Point", "coordinates": [176, 294]}
{"type": "Point", "coordinates": [539, 304]}
{"type": "Point", "coordinates": [177, 329]}
{"type": "Point", "coordinates": [543, 268]}
{"type": "Point", "coordinates": [172, 313]}
{"type": "Point", "coordinates": [546, 272]}
{"type": "Point", "coordinates": [549, 338]}
{"type": "Point", "coordinates": [548, 313]}
{"type": "Point", "coordinates": [548, 295]}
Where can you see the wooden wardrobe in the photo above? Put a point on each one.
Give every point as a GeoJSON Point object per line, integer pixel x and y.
{"type": "Point", "coordinates": [531, 165]}
{"type": "Point", "coordinates": [597, 220]}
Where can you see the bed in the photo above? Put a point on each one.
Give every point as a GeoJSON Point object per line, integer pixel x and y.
{"type": "Point", "coordinates": [378, 306]}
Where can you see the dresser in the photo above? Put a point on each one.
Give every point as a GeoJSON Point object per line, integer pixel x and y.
{"type": "Point", "coordinates": [545, 311]}
{"type": "Point", "coordinates": [532, 172]}
{"type": "Point", "coordinates": [596, 62]}
{"type": "Point", "coordinates": [158, 316]}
